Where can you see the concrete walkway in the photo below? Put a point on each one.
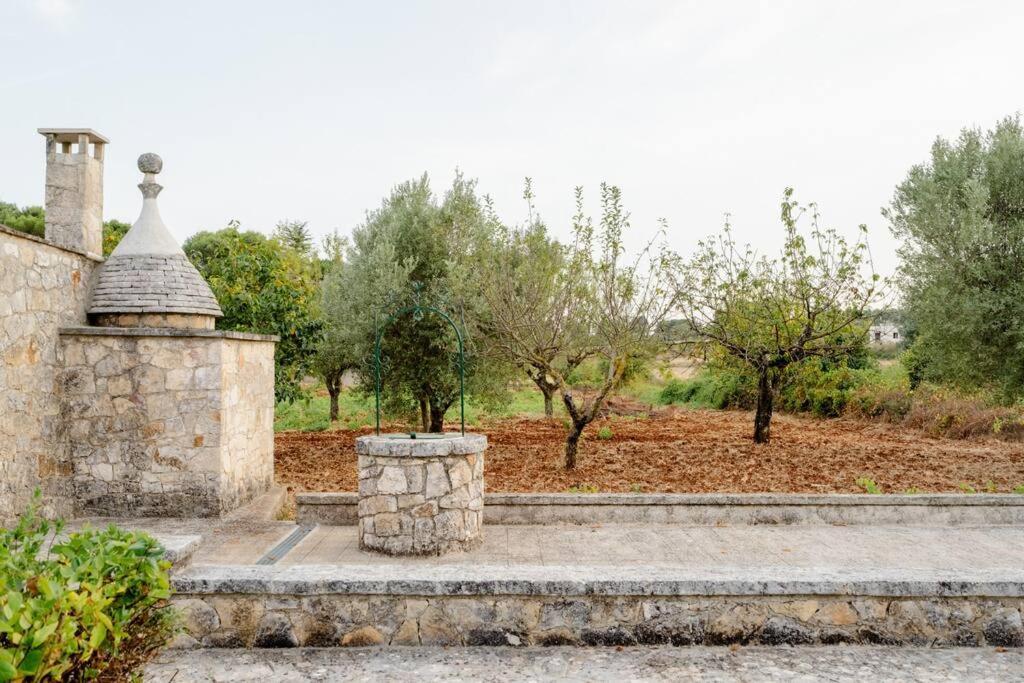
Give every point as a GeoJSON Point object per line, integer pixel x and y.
{"type": "Point", "coordinates": [652, 545]}
{"type": "Point", "coordinates": [849, 663]}
{"type": "Point", "coordinates": [962, 548]}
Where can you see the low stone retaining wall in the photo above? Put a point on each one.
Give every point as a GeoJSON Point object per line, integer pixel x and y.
{"type": "Point", "coordinates": [709, 509]}
{"type": "Point", "coordinates": [402, 605]}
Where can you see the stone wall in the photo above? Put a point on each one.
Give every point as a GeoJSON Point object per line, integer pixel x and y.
{"type": "Point", "coordinates": [235, 620]}
{"type": "Point", "coordinates": [166, 422]}
{"type": "Point", "coordinates": [42, 287]}
{"type": "Point", "coordinates": [247, 424]}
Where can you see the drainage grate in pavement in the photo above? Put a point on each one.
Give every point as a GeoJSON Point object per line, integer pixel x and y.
{"type": "Point", "coordinates": [282, 548]}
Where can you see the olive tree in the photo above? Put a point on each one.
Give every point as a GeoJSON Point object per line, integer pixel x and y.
{"type": "Point", "coordinates": [595, 304]}
{"type": "Point", "coordinates": [960, 218]}
{"type": "Point", "coordinates": [768, 314]}
{"type": "Point", "coordinates": [414, 246]}
{"type": "Point", "coordinates": [353, 282]}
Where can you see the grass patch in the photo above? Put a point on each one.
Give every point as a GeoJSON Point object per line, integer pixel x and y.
{"type": "Point", "coordinates": [355, 411]}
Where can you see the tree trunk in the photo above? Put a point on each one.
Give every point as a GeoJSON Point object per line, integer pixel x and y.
{"type": "Point", "coordinates": [572, 442]}
{"type": "Point", "coordinates": [580, 419]}
{"type": "Point", "coordinates": [436, 418]}
{"type": "Point", "coordinates": [334, 403]}
{"type": "Point", "coordinates": [546, 387]}
{"type": "Point", "coordinates": [424, 414]}
{"type": "Point", "coordinates": [549, 404]}
{"type": "Point", "coordinates": [333, 383]}
{"type": "Point", "coordinates": [765, 405]}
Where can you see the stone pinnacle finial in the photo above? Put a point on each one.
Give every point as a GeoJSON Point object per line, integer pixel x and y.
{"type": "Point", "coordinates": [151, 163]}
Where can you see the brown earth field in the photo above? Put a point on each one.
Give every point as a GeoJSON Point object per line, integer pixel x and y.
{"type": "Point", "coordinates": [693, 451]}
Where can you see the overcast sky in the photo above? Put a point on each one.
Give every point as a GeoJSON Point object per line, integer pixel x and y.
{"type": "Point", "coordinates": [314, 110]}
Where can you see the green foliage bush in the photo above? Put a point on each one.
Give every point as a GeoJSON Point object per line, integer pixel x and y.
{"type": "Point", "coordinates": [30, 219]}
{"type": "Point", "coordinates": [825, 392]}
{"type": "Point", "coordinates": [883, 394]}
{"type": "Point", "coordinates": [95, 603]}
{"type": "Point", "coordinates": [265, 287]}
{"type": "Point", "coordinates": [712, 388]}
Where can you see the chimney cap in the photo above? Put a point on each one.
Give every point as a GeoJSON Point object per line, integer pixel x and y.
{"type": "Point", "coordinates": [71, 134]}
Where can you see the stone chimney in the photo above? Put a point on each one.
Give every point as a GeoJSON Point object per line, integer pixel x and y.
{"type": "Point", "coordinates": [74, 188]}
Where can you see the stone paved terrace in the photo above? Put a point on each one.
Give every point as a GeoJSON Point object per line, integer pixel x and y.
{"type": "Point", "coordinates": [821, 547]}
{"type": "Point", "coordinates": [263, 583]}
{"type": "Point", "coordinates": [969, 548]}
{"type": "Point", "coordinates": [748, 664]}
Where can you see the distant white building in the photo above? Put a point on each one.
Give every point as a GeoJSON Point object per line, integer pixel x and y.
{"type": "Point", "coordinates": [884, 332]}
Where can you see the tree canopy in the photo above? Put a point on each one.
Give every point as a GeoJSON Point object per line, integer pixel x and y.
{"type": "Point", "coordinates": [768, 314]}
{"type": "Point", "coordinates": [960, 216]}
{"type": "Point", "coordinates": [266, 287]}
{"type": "Point", "coordinates": [414, 247]}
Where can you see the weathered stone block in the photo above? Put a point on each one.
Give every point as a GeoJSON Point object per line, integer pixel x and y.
{"type": "Point", "coordinates": [1004, 628]}
{"type": "Point", "coordinates": [363, 637]}
{"type": "Point", "coordinates": [275, 630]}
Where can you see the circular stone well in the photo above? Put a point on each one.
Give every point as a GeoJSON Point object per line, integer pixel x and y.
{"type": "Point", "coordinates": [421, 495]}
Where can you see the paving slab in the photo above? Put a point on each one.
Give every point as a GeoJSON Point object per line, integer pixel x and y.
{"type": "Point", "coordinates": [965, 549]}
{"type": "Point", "coordinates": [748, 664]}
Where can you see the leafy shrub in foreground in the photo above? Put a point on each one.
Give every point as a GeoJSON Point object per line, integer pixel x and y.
{"type": "Point", "coordinates": [93, 604]}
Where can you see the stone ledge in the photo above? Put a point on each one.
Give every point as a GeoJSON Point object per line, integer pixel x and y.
{"type": "Point", "coordinates": [32, 238]}
{"type": "Point", "coordinates": [710, 509]}
{"type": "Point", "coordinates": [179, 549]}
{"type": "Point", "coordinates": [164, 332]}
{"type": "Point", "coordinates": [739, 499]}
{"type": "Point", "coordinates": [564, 581]}
{"type": "Point", "coordinates": [450, 444]}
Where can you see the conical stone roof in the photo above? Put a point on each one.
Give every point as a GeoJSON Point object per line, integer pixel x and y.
{"type": "Point", "coordinates": [148, 272]}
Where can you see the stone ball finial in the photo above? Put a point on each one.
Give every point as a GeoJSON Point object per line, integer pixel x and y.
{"type": "Point", "coordinates": [150, 163]}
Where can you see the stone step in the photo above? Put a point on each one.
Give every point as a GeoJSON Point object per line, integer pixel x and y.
{"type": "Point", "coordinates": [484, 664]}
{"type": "Point", "coordinates": [437, 604]}
{"type": "Point", "coordinates": [934, 509]}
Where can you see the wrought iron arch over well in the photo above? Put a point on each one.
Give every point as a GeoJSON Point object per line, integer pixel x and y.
{"type": "Point", "coordinates": [417, 312]}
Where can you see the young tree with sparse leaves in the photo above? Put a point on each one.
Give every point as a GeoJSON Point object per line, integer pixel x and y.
{"type": "Point", "coordinates": [597, 305]}
{"type": "Point", "coordinates": [525, 266]}
{"type": "Point", "coordinates": [768, 315]}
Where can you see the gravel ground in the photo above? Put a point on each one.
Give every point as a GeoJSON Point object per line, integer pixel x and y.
{"type": "Point", "coordinates": [847, 663]}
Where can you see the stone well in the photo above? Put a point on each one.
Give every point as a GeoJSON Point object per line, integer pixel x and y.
{"type": "Point", "coordinates": [421, 495]}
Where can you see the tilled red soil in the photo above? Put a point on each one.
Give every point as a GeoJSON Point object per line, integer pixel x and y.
{"type": "Point", "coordinates": [693, 451]}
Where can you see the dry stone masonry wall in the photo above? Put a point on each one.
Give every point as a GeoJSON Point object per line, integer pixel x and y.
{"type": "Point", "coordinates": [42, 287]}
{"type": "Point", "coordinates": [360, 620]}
{"type": "Point", "coordinates": [173, 424]}
{"type": "Point", "coordinates": [150, 413]}
{"type": "Point", "coordinates": [420, 496]}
